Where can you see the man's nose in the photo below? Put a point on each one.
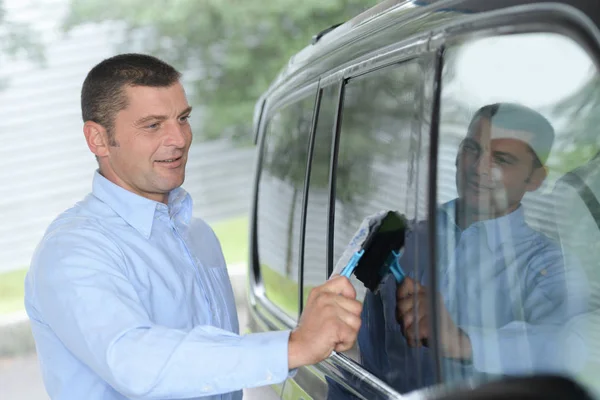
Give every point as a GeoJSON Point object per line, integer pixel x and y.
{"type": "Point", "coordinates": [483, 164]}
{"type": "Point", "coordinates": [176, 135]}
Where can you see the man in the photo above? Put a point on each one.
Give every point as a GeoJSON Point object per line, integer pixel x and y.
{"type": "Point", "coordinates": [503, 290]}
{"type": "Point", "coordinates": [128, 294]}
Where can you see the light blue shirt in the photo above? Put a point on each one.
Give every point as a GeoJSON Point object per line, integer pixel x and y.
{"type": "Point", "coordinates": [130, 298]}
{"type": "Point", "coordinates": [503, 283]}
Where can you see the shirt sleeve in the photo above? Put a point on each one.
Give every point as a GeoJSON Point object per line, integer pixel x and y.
{"type": "Point", "coordinates": [83, 293]}
{"type": "Point", "coordinates": [547, 339]}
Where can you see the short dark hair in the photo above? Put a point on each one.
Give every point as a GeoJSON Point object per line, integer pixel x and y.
{"type": "Point", "coordinates": [103, 94]}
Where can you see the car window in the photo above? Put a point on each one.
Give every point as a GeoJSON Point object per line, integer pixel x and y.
{"type": "Point", "coordinates": [381, 110]}
{"type": "Point", "coordinates": [280, 193]}
{"type": "Point", "coordinates": [514, 241]}
{"type": "Point", "coordinates": [317, 206]}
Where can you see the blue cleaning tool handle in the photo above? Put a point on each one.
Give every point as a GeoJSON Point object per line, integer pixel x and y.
{"type": "Point", "coordinates": [349, 268]}
{"type": "Point", "coordinates": [395, 267]}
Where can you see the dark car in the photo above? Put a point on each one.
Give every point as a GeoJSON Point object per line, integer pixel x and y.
{"type": "Point", "coordinates": [381, 113]}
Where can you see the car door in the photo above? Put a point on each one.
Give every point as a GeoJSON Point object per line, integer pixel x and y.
{"type": "Point", "coordinates": [517, 111]}
{"type": "Point", "coordinates": [365, 158]}
{"type": "Point", "coordinates": [277, 211]}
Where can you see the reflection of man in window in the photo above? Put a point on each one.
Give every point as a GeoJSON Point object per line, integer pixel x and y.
{"type": "Point", "coordinates": [502, 284]}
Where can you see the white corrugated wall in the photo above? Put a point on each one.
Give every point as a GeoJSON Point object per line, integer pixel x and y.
{"type": "Point", "coordinates": [45, 166]}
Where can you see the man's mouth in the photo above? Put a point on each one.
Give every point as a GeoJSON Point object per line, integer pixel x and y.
{"type": "Point", "coordinates": [169, 160]}
{"type": "Point", "coordinates": [479, 187]}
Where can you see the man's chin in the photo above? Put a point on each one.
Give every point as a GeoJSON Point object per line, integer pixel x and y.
{"type": "Point", "coordinates": [169, 183]}
{"type": "Point", "coordinates": [477, 203]}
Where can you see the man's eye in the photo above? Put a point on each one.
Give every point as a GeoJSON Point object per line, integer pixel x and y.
{"type": "Point", "coordinates": [184, 118]}
{"type": "Point", "coordinates": [503, 161]}
{"type": "Point", "coordinates": [471, 149]}
{"type": "Point", "coordinates": [153, 126]}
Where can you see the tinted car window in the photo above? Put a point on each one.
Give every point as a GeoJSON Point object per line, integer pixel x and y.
{"type": "Point", "coordinates": [317, 206]}
{"type": "Point", "coordinates": [514, 240]}
{"type": "Point", "coordinates": [380, 112]}
{"type": "Point", "coordinates": [280, 193]}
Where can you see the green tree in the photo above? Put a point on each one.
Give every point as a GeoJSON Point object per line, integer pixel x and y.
{"type": "Point", "coordinates": [238, 46]}
{"type": "Point", "coordinates": [17, 39]}
{"type": "Point", "coordinates": [582, 110]}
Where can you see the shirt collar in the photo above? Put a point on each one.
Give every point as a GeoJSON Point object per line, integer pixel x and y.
{"type": "Point", "coordinates": [139, 211]}
{"type": "Point", "coordinates": [494, 228]}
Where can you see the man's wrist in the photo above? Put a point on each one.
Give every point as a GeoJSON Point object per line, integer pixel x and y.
{"type": "Point", "coordinates": [465, 350]}
{"type": "Point", "coordinates": [294, 352]}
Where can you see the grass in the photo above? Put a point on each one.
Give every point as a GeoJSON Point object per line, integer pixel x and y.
{"type": "Point", "coordinates": [232, 233]}
{"type": "Point", "coordinates": [12, 291]}
{"type": "Point", "coordinates": [282, 291]}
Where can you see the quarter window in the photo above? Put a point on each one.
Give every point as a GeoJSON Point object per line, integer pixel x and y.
{"type": "Point", "coordinates": [280, 193]}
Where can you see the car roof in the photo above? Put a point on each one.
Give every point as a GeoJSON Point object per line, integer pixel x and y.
{"type": "Point", "coordinates": [403, 12]}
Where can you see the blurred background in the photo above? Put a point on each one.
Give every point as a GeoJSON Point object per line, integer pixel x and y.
{"type": "Point", "coordinates": [229, 52]}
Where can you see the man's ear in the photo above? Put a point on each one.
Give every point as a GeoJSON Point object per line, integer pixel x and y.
{"type": "Point", "coordinates": [536, 178]}
{"type": "Point", "coordinates": [96, 138]}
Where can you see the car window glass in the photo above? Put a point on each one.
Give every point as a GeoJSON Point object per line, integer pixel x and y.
{"type": "Point", "coordinates": [317, 206]}
{"type": "Point", "coordinates": [517, 257]}
{"type": "Point", "coordinates": [381, 110]}
{"type": "Point", "coordinates": [280, 193]}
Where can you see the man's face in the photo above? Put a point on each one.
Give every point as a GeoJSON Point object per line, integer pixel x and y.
{"type": "Point", "coordinates": [492, 175]}
{"type": "Point", "coordinates": [153, 137]}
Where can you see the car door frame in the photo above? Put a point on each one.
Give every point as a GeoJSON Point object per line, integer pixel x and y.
{"type": "Point", "coordinates": [339, 367]}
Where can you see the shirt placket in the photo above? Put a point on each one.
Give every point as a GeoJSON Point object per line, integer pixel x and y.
{"type": "Point", "coordinates": [200, 272]}
{"type": "Point", "coordinates": [451, 250]}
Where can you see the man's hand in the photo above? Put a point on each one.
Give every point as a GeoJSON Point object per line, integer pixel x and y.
{"type": "Point", "coordinates": [412, 312]}
{"type": "Point", "coordinates": [330, 321]}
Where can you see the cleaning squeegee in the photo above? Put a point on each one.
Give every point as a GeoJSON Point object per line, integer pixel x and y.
{"type": "Point", "coordinates": [374, 250]}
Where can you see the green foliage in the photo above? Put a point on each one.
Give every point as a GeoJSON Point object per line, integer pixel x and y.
{"type": "Point", "coordinates": [239, 46]}
{"type": "Point", "coordinates": [12, 289]}
{"type": "Point", "coordinates": [282, 290]}
{"type": "Point", "coordinates": [17, 40]}
{"type": "Point", "coordinates": [580, 142]}
{"type": "Point", "coordinates": [233, 236]}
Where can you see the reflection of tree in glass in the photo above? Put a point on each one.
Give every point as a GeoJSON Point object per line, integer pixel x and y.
{"type": "Point", "coordinates": [324, 138]}
{"type": "Point", "coordinates": [380, 110]}
{"type": "Point", "coordinates": [456, 111]}
{"type": "Point", "coordinates": [580, 140]}
{"type": "Point", "coordinates": [285, 155]}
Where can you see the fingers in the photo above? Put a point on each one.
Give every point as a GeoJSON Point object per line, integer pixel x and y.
{"type": "Point", "coordinates": [418, 334]}
{"type": "Point", "coordinates": [405, 305]}
{"type": "Point", "coordinates": [408, 307]}
{"type": "Point", "coordinates": [330, 321]}
{"type": "Point", "coordinates": [415, 327]}
{"type": "Point", "coordinates": [412, 313]}
{"type": "Point", "coordinates": [407, 288]}
{"type": "Point", "coordinates": [350, 305]}
{"type": "Point", "coordinates": [349, 319]}
{"type": "Point", "coordinates": [339, 285]}
{"type": "Point", "coordinates": [347, 331]}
